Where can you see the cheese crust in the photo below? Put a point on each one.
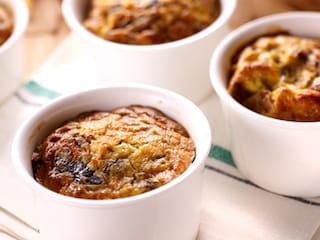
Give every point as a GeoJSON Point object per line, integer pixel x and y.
{"type": "Point", "coordinates": [108, 155]}
{"type": "Point", "coordinates": [279, 76]}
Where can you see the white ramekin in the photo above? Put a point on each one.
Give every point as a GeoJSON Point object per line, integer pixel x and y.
{"type": "Point", "coordinates": [11, 51]}
{"type": "Point", "coordinates": [182, 66]}
{"type": "Point", "coordinates": [171, 212]}
{"type": "Point", "coordinates": [281, 156]}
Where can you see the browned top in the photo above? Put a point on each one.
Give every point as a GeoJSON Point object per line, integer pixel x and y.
{"type": "Point", "coordinates": [149, 21]}
{"type": "Point", "coordinates": [6, 23]}
{"type": "Point", "coordinates": [279, 76]}
{"type": "Point", "coordinates": [107, 155]}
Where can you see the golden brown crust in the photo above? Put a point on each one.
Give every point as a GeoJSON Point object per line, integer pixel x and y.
{"type": "Point", "coordinates": [279, 76]}
{"type": "Point", "coordinates": [6, 23]}
{"type": "Point", "coordinates": [107, 155]}
{"type": "Point", "coordinates": [146, 22]}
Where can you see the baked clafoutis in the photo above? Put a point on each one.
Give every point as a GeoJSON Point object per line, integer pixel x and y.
{"type": "Point", "coordinates": [145, 22]}
{"type": "Point", "coordinates": [279, 76]}
{"type": "Point", "coordinates": [6, 23]}
{"type": "Point", "coordinates": [113, 154]}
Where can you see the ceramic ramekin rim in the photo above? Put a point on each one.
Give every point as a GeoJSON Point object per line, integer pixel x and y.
{"type": "Point", "coordinates": [69, 16]}
{"type": "Point", "coordinates": [230, 42]}
{"type": "Point", "coordinates": [30, 181]}
{"type": "Point", "coordinates": [21, 15]}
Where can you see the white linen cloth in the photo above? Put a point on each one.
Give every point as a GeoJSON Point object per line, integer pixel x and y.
{"type": "Point", "coordinates": [232, 207]}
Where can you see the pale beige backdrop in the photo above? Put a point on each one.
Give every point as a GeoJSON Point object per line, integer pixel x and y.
{"type": "Point", "coordinates": [47, 28]}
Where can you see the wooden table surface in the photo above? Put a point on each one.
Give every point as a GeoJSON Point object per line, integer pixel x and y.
{"type": "Point", "coordinates": [47, 27]}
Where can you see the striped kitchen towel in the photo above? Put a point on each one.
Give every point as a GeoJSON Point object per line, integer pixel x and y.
{"type": "Point", "coordinates": [232, 206]}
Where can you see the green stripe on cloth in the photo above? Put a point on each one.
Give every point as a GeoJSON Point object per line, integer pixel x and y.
{"type": "Point", "coordinates": [36, 89]}
{"type": "Point", "coordinates": [221, 154]}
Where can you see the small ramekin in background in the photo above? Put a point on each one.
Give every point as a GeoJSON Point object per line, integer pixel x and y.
{"type": "Point", "coordinates": [171, 212]}
{"type": "Point", "coordinates": [281, 156]}
{"type": "Point", "coordinates": [11, 51]}
{"type": "Point", "coordinates": [181, 66]}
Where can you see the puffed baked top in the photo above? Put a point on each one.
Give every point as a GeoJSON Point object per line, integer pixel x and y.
{"type": "Point", "coordinates": [108, 155]}
{"type": "Point", "coordinates": [144, 22]}
{"type": "Point", "coordinates": [6, 23]}
{"type": "Point", "coordinates": [279, 76]}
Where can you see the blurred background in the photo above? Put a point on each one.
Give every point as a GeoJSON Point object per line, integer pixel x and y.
{"type": "Point", "coordinates": [47, 28]}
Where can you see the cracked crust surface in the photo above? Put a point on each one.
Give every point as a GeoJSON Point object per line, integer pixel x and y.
{"type": "Point", "coordinates": [108, 155]}
{"type": "Point", "coordinates": [279, 76]}
{"type": "Point", "coordinates": [144, 22]}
